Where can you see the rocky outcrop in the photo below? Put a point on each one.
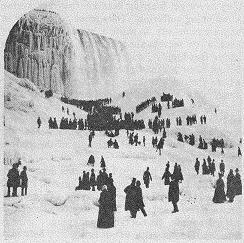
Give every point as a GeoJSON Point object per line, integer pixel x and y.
{"type": "Point", "coordinates": [75, 63]}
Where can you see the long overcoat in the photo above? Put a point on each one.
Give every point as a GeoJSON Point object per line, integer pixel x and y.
{"type": "Point", "coordinates": [106, 213]}
{"type": "Point", "coordinates": [174, 191]}
{"type": "Point", "coordinates": [166, 176]}
{"type": "Point", "coordinates": [230, 193]}
{"type": "Point", "coordinates": [238, 184]}
{"type": "Point", "coordinates": [219, 194]}
{"type": "Point", "coordinates": [139, 199]}
{"type": "Point", "coordinates": [13, 178]}
{"type": "Point", "coordinates": [112, 191]}
{"type": "Point", "coordinates": [130, 199]}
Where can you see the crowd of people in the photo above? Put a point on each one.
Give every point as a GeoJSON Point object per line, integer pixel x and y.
{"type": "Point", "coordinates": [142, 106]}
{"type": "Point", "coordinates": [217, 143]}
{"type": "Point", "coordinates": [158, 124]}
{"type": "Point", "coordinates": [103, 117]}
{"type": "Point", "coordinates": [202, 142]}
{"type": "Point", "coordinates": [191, 120]}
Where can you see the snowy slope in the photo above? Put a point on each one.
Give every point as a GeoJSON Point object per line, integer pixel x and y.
{"type": "Point", "coordinates": [53, 211]}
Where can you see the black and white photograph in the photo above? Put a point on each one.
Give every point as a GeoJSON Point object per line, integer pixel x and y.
{"type": "Point", "coordinates": [121, 121]}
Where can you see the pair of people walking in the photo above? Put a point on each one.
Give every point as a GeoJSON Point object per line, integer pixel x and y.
{"type": "Point", "coordinates": [134, 199]}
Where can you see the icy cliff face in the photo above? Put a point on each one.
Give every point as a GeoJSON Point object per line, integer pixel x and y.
{"type": "Point", "coordinates": [75, 63]}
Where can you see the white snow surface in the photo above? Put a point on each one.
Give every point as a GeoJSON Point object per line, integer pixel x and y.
{"type": "Point", "coordinates": [54, 212]}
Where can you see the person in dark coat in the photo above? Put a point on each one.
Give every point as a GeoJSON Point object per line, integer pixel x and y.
{"type": "Point", "coordinates": [219, 194]}
{"type": "Point", "coordinates": [90, 139]}
{"type": "Point", "coordinates": [160, 145]}
{"type": "Point", "coordinates": [104, 176]}
{"type": "Point", "coordinates": [24, 181]}
{"type": "Point", "coordinates": [204, 167]}
{"type": "Point", "coordinates": [147, 177]}
{"type": "Point", "coordinates": [197, 166]}
{"type": "Point", "coordinates": [86, 181]}
{"type": "Point", "coordinates": [238, 183]}
{"type": "Point", "coordinates": [99, 181]}
{"type": "Point", "coordinates": [92, 180]}
{"type": "Point", "coordinates": [212, 168]}
{"type": "Point", "coordinates": [230, 193]}
{"type": "Point", "coordinates": [139, 199]}
{"type": "Point", "coordinates": [222, 167]}
{"type": "Point", "coordinates": [103, 165]}
{"type": "Point", "coordinates": [106, 213]}
{"type": "Point", "coordinates": [116, 145]}
{"type": "Point", "coordinates": [175, 169]}
{"type": "Point", "coordinates": [83, 186]}
{"type": "Point", "coordinates": [173, 195]}
{"type": "Point", "coordinates": [180, 175]}
{"type": "Point", "coordinates": [39, 122]}
{"type": "Point", "coordinates": [166, 176]}
{"type": "Point", "coordinates": [79, 187]}
{"type": "Point", "coordinates": [110, 143]}
{"type": "Point", "coordinates": [110, 178]}
{"type": "Point", "coordinates": [112, 191]}
{"type": "Point", "coordinates": [130, 199]}
{"type": "Point", "coordinates": [13, 180]}
{"type": "Point", "coordinates": [91, 160]}
{"type": "Point", "coordinates": [239, 152]}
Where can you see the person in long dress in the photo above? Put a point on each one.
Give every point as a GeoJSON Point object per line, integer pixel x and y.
{"type": "Point", "coordinates": [219, 194]}
{"type": "Point", "coordinates": [106, 212]}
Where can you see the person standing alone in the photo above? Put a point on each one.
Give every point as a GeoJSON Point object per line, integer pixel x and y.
{"type": "Point", "coordinates": [174, 191]}
{"type": "Point", "coordinates": [147, 177]}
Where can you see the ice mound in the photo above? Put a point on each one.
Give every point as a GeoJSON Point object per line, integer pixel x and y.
{"type": "Point", "coordinates": [56, 197]}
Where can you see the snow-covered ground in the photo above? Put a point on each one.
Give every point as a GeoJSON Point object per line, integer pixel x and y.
{"type": "Point", "coordinates": [53, 211]}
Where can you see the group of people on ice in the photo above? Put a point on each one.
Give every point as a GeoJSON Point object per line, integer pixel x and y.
{"type": "Point", "coordinates": [113, 144]}
{"type": "Point", "coordinates": [90, 181]}
{"type": "Point", "coordinates": [234, 187]}
{"type": "Point", "coordinates": [16, 179]}
{"type": "Point", "coordinates": [207, 167]}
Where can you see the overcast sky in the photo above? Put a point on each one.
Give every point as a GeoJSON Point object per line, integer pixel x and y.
{"type": "Point", "coordinates": [195, 41]}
